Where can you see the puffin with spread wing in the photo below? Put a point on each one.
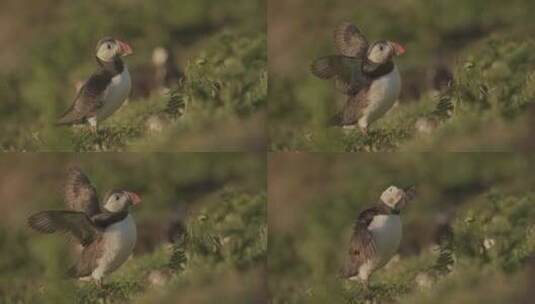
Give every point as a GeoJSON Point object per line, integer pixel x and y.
{"type": "Point", "coordinates": [363, 72]}
{"type": "Point", "coordinates": [107, 232]}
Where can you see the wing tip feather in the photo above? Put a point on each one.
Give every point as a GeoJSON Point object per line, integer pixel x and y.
{"type": "Point", "coordinates": [41, 222]}
{"type": "Point", "coordinates": [321, 68]}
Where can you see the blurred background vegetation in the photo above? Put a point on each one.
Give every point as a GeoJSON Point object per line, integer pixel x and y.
{"type": "Point", "coordinates": [487, 47]}
{"type": "Point", "coordinates": [219, 48]}
{"type": "Point", "coordinates": [202, 233]}
{"type": "Point", "coordinates": [468, 236]}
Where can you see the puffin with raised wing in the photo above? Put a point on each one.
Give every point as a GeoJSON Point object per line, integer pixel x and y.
{"type": "Point", "coordinates": [363, 72]}
{"type": "Point", "coordinates": [107, 88]}
{"type": "Point", "coordinates": [107, 232]}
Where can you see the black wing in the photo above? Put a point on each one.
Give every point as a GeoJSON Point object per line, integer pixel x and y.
{"type": "Point", "coordinates": [350, 41]}
{"type": "Point", "coordinates": [361, 245]}
{"type": "Point", "coordinates": [347, 72]}
{"type": "Point", "coordinates": [88, 100]}
{"type": "Point", "coordinates": [376, 70]}
{"type": "Point", "coordinates": [104, 219]}
{"type": "Point", "coordinates": [77, 224]}
{"type": "Point", "coordinates": [79, 193]}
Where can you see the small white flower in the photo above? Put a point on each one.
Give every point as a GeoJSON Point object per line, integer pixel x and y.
{"type": "Point", "coordinates": [488, 243]}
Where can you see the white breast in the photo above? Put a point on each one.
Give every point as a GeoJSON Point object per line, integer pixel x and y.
{"type": "Point", "coordinates": [115, 94]}
{"type": "Point", "coordinates": [118, 243]}
{"type": "Point", "coordinates": [383, 92]}
{"type": "Point", "coordinates": [386, 231]}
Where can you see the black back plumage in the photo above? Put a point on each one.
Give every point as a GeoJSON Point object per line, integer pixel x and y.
{"type": "Point", "coordinates": [89, 98]}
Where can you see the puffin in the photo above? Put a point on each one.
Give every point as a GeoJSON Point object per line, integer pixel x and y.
{"type": "Point", "coordinates": [365, 73]}
{"type": "Point", "coordinates": [105, 90]}
{"type": "Point", "coordinates": [107, 232]}
{"type": "Point", "coordinates": [376, 235]}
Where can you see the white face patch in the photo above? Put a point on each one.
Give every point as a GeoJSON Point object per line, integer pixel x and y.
{"type": "Point", "coordinates": [108, 50]}
{"type": "Point", "coordinates": [380, 52]}
{"type": "Point", "coordinates": [116, 202]}
{"type": "Point", "coordinates": [392, 196]}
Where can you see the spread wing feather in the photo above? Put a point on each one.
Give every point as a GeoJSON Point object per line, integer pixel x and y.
{"type": "Point", "coordinates": [79, 193]}
{"type": "Point", "coordinates": [75, 223]}
{"type": "Point", "coordinates": [347, 72]}
{"type": "Point", "coordinates": [350, 41]}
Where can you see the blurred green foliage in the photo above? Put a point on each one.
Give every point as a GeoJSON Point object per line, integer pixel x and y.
{"type": "Point", "coordinates": [218, 198]}
{"type": "Point", "coordinates": [467, 237]}
{"type": "Point", "coordinates": [488, 45]}
{"type": "Point", "coordinates": [216, 44]}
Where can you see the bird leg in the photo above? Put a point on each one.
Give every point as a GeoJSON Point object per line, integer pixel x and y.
{"type": "Point", "coordinates": [93, 125]}
{"type": "Point", "coordinates": [365, 286]}
{"type": "Point", "coordinates": [368, 293]}
{"type": "Point", "coordinates": [99, 282]}
{"type": "Point", "coordinates": [363, 125]}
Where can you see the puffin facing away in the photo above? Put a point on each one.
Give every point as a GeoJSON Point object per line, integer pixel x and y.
{"type": "Point", "coordinates": [363, 72]}
{"type": "Point", "coordinates": [106, 90]}
{"type": "Point", "coordinates": [107, 234]}
{"type": "Point", "coordinates": [376, 235]}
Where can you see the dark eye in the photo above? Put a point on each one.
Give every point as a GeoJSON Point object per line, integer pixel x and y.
{"type": "Point", "coordinates": [381, 47]}
{"type": "Point", "coordinates": [116, 197]}
{"type": "Point", "coordinates": [109, 46]}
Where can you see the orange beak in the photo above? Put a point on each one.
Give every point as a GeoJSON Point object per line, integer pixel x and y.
{"type": "Point", "coordinates": [398, 48]}
{"type": "Point", "coordinates": [124, 48]}
{"type": "Point", "coordinates": [134, 197]}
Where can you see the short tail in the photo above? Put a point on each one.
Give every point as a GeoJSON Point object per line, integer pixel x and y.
{"type": "Point", "coordinates": [70, 117]}
{"type": "Point", "coordinates": [67, 120]}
